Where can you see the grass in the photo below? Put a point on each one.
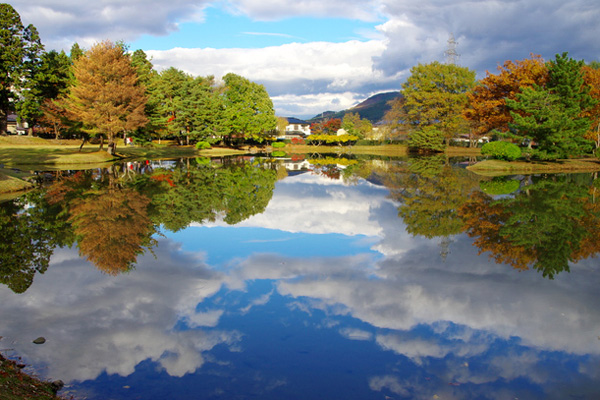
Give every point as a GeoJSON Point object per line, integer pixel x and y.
{"type": "Point", "coordinates": [17, 385]}
{"type": "Point", "coordinates": [498, 167]}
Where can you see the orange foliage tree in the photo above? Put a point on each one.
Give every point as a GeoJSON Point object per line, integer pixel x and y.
{"type": "Point", "coordinates": [105, 95]}
{"type": "Point", "coordinates": [112, 227]}
{"type": "Point", "coordinates": [487, 108]}
{"type": "Point", "coordinates": [591, 77]}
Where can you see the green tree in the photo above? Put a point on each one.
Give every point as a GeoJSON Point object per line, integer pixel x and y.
{"type": "Point", "coordinates": [551, 114]}
{"type": "Point", "coordinates": [435, 95]}
{"type": "Point", "coordinates": [105, 95]}
{"type": "Point", "coordinates": [354, 125]}
{"type": "Point", "coordinates": [248, 110]}
{"type": "Point", "coordinates": [50, 82]}
{"type": "Point", "coordinates": [19, 58]}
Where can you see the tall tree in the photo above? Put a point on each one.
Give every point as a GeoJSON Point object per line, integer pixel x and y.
{"type": "Point", "coordinates": [434, 96]}
{"type": "Point", "coordinates": [248, 109]}
{"type": "Point", "coordinates": [49, 82]}
{"type": "Point", "coordinates": [106, 96]}
{"type": "Point", "coordinates": [19, 56]}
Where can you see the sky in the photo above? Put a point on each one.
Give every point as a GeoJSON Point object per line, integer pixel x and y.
{"type": "Point", "coordinates": [319, 55]}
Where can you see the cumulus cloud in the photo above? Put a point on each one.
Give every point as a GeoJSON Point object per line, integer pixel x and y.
{"type": "Point", "coordinates": [306, 79]}
{"type": "Point", "coordinates": [63, 22]}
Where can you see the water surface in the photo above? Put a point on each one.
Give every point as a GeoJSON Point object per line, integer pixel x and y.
{"type": "Point", "coordinates": [328, 279]}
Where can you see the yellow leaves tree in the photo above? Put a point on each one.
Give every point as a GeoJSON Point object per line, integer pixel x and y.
{"type": "Point", "coordinates": [105, 95]}
{"type": "Point", "coordinates": [487, 109]}
{"type": "Point", "coordinates": [112, 227]}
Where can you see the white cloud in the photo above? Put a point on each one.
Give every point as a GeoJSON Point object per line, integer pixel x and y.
{"type": "Point", "coordinates": [99, 323]}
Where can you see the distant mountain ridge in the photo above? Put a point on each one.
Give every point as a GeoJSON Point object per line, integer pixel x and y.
{"type": "Point", "coordinates": [373, 108]}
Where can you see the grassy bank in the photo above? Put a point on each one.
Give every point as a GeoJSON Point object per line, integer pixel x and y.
{"type": "Point", "coordinates": [498, 168]}
{"type": "Point", "coordinates": [17, 385]}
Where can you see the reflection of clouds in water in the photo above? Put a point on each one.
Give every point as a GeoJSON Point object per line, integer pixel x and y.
{"type": "Point", "coordinates": [469, 290]}
{"type": "Point", "coordinates": [314, 204]}
{"type": "Point", "coordinates": [96, 323]}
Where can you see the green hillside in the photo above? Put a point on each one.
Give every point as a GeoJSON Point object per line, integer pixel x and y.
{"type": "Point", "coordinates": [372, 108]}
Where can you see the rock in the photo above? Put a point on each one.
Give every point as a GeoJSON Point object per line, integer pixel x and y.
{"type": "Point", "coordinates": [57, 385]}
{"type": "Point", "coordinates": [40, 340]}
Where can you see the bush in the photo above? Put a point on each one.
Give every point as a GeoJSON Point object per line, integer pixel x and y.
{"type": "Point", "coordinates": [279, 153]}
{"type": "Point", "coordinates": [501, 150]}
{"type": "Point", "coordinates": [427, 139]}
{"type": "Point", "coordinates": [278, 145]}
{"type": "Point", "coordinates": [202, 145]}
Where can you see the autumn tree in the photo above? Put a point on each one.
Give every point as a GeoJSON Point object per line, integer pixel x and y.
{"type": "Point", "coordinates": [591, 76]}
{"type": "Point", "coordinates": [435, 96]}
{"type": "Point", "coordinates": [487, 109]}
{"type": "Point", "coordinates": [106, 96]}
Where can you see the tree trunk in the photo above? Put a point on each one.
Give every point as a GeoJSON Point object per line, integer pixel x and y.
{"type": "Point", "coordinates": [101, 143]}
{"type": "Point", "coordinates": [82, 143]}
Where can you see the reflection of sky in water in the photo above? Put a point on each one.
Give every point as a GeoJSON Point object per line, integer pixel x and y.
{"type": "Point", "coordinates": [322, 296]}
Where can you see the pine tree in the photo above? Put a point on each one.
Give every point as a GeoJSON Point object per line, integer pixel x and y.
{"type": "Point", "coordinates": [551, 115]}
{"type": "Point", "coordinates": [19, 58]}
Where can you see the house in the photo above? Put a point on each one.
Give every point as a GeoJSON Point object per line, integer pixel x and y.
{"type": "Point", "coordinates": [14, 127]}
{"type": "Point", "coordinates": [296, 128]}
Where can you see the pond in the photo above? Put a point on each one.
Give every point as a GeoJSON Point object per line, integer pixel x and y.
{"type": "Point", "coordinates": [326, 278]}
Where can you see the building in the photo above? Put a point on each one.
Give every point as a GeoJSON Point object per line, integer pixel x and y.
{"type": "Point", "coordinates": [296, 128]}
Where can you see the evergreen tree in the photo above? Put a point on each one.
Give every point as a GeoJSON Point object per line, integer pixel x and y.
{"type": "Point", "coordinates": [551, 115]}
{"type": "Point", "coordinates": [19, 57]}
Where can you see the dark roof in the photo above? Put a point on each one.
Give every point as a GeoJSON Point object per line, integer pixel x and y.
{"type": "Point", "coordinates": [292, 120]}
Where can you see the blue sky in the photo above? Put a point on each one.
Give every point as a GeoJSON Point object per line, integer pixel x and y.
{"type": "Point", "coordinates": [222, 30]}
{"type": "Point", "coordinates": [318, 55]}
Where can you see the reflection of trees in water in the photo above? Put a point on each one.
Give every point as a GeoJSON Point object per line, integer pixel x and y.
{"type": "Point", "coordinates": [112, 227]}
{"type": "Point", "coordinates": [28, 236]}
{"type": "Point", "coordinates": [431, 192]}
{"type": "Point", "coordinates": [113, 216]}
{"type": "Point", "coordinates": [546, 225]}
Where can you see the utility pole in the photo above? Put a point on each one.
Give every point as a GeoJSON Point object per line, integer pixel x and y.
{"type": "Point", "coordinates": [451, 54]}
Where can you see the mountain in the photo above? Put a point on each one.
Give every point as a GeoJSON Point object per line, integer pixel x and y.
{"type": "Point", "coordinates": [372, 108]}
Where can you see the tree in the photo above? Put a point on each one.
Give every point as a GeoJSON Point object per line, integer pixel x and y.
{"type": "Point", "coordinates": [591, 76]}
{"type": "Point", "coordinates": [487, 109]}
{"type": "Point", "coordinates": [248, 110]}
{"type": "Point", "coordinates": [105, 95]}
{"type": "Point", "coordinates": [551, 115]}
{"type": "Point", "coordinates": [49, 83]}
{"type": "Point", "coordinates": [19, 59]}
{"type": "Point", "coordinates": [435, 95]}
{"type": "Point", "coordinates": [354, 125]}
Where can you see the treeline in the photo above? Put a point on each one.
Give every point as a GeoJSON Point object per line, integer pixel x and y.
{"type": "Point", "coordinates": [553, 105]}
{"type": "Point", "coordinates": [107, 91]}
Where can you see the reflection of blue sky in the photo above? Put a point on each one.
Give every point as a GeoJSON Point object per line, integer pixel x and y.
{"type": "Point", "coordinates": [370, 312]}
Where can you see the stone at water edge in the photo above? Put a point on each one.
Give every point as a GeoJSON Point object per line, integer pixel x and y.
{"type": "Point", "coordinates": [40, 340]}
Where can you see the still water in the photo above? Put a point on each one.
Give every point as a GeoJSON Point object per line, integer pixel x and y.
{"type": "Point", "coordinates": [310, 279]}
